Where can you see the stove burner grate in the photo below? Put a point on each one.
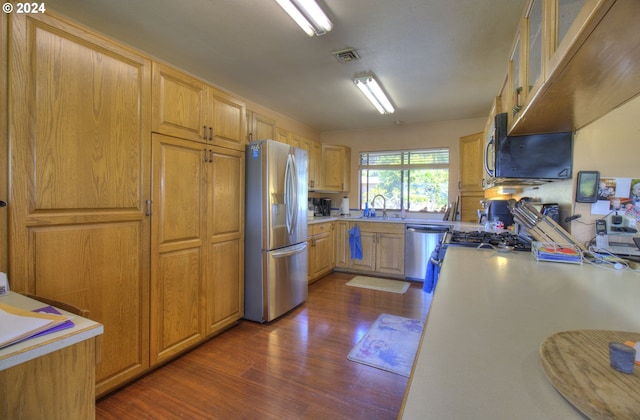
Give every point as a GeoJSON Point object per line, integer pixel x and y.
{"type": "Point", "coordinates": [476, 238]}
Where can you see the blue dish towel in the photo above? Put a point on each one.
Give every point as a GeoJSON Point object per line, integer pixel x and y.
{"type": "Point", "coordinates": [355, 244]}
{"type": "Point", "coordinates": [431, 277]}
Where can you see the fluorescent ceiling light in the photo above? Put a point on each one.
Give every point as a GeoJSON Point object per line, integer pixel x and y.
{"type": "Point", "coordinates": [307, 15]}
{"type": "Point", "coordinates": [372, 90]}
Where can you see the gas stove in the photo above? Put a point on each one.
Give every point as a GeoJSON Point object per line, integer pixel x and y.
{"type": "Point", "coordinates": [477, 238]}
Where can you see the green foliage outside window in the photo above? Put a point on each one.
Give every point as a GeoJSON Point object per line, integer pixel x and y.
{"type": "Point", "coordinates": [416, 180]}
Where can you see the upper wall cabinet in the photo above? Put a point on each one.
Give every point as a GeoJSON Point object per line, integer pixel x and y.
{"type": "Point", "coordinates": [260, 127]}
{"type": "Point", "coordinates": [179, 104]}
{"type": "Point", "coordinates": [577, 60]}
{"type": "Point", "coordinates": [314, 150]}
{"type": "Point", "coordinates": [185, 107]}
{"type": "Point", "coordinates": [335, 168]}
{"type": "Point", "coordinates": [282, 135]}
{"type": "Point", "coordinates": [227, 117]}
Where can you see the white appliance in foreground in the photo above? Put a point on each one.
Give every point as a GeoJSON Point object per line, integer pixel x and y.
{"type": "Point", "coordinates": [276, 230]}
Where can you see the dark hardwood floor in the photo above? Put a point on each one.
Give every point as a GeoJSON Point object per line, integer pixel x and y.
{"type": "Point", "coordinates": [293, 368]}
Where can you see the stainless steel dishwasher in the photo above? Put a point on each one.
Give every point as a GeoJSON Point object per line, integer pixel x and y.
{"type": "Point", "coordinates": [420, 242]}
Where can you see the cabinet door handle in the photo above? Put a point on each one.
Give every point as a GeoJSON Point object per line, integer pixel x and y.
{"type": "Point", "coordinates": [3, 203]}
{"type": "Point", "coordinates": [210, 133]}
{"type": "Point", "coordinates": [148, 212]}
{"type": "Point", "coordinates": [204, 132]}
{"type": "Point", "coordinates": [210, 156]}
{"type": "Point", "coordinates": [206, 157]}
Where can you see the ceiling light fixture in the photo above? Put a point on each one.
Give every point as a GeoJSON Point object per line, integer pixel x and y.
{"type": "Point", "coordinates": [372, 90]}
{"type": "Point", "coordinates": [308, 15]}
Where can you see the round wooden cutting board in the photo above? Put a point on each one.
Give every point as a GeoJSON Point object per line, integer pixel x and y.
{"type": "Point", "coordinates": [577, 364]}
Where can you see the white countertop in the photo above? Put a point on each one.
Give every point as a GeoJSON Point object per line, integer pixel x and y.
{"type": "Point", "coordinates": [465, 226]}
{"type": "Point", "coordinates": [30, 349]}
{"type": "Point", "coordinates": [491, 311]}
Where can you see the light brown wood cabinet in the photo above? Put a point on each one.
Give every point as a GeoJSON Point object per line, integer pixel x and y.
{"type": "Point", "coordinates": [82, 161]}
{"type": "Point", "coordinates": [282, 135]}
{"type": "Point", "coordinates": [321, 254]}
{"type": "Point", "coordinates": [186, 107]}
{"type": "Point", "coordinates": [197, 243]}
{"type": "Point", "coordinates": [260, 127]}
{"type": "Point", "coordinates": [80, 153]}
{"type": "Point", "coordinates": [178, 237]}
{"type": "Point", "coordinates": [295, 140]}
{"type": "Point", "coordinates": [382, 248]}
{"type": "Point", "coordinates": [179, 104]}
{"type": "Point", "coordinates": [470, 185]}
{"type": "Point", "coordinates": [335, 168]}
{"type": "Point", "coordinates": [471, 155]}
{"type": "Point", "coordinates": [4, 158]}
{"type": "Point", "coordinates": [583, 45]}
{"type": "Point", "coordinates": [341, 246]}
{"type": "Point", "coordinates": [198, 290]}
{"type": "Point", "coordinates": [314, 151]}
{"type": "Point", "coordinates": [224, 275]}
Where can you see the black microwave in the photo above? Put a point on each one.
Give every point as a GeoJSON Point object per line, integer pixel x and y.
{"type": "Point", "coordinates": [541, 157]}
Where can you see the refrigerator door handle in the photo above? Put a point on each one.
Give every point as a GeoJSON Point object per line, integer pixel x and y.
{"type": "Point", "coordinates": [290, 193]}
{"type": "Point", "coordinates": [290, 251]}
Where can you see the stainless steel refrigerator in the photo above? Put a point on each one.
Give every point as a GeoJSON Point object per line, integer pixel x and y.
{"type": "Point", "coordinates": [276, 230]}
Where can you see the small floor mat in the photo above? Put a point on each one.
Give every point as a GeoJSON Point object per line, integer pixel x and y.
{"type": "Point", "coordinates": [375, 283]}
{"type": "Point", "coordinates": [390, 344]}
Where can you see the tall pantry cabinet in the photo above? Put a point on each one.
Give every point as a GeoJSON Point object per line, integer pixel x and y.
{"type": "Point", "coordinates": [197, 243]}
{"type": "Point", "coordinates": [79, 138]}
{"type": "Point", "coordinates": [197, 237]}
{"type": "Point", "coordinates": [127, 193]}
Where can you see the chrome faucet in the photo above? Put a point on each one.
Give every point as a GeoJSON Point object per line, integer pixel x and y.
{"type": "Point", "coordinates": [384, 204]}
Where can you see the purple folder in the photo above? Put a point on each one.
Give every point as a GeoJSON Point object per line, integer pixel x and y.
{"type": "Point", "coordinates": [51, 310]}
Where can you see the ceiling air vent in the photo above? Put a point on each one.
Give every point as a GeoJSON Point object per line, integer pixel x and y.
{"type": "Point", "coordinates": [346, 55]}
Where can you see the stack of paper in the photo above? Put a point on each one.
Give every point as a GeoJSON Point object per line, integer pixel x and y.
{"type": "Point", "coordinates": [18, 324]}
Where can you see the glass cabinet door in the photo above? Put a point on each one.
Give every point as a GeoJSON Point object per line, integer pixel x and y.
{"type": "Point", "coordinates": [567, 13]}
{"type": "Point", "coordinates": [515, 83]}
{"type": "Point", "coordinates": [534, 24]}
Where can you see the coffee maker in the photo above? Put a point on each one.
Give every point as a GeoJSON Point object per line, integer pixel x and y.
{"type": "Point", "coordinates": [501, 210]}
{"type": "Point", "coordinates": [321, 206]}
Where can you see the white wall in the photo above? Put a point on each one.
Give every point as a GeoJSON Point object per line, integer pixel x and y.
{"type": "Point", "coordinates": [610, 145]}
{"type": "Point", "coordinates": [406, 136]}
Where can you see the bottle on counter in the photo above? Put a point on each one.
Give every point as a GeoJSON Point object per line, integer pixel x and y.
{"type": "Point", "coordinates": [372, 212]}
{"type": "Point", "coordinates": [366, 210]}
{"type": "Point", "coordinates": [403, 214]}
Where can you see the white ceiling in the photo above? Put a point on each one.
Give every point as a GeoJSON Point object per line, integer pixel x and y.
{"type": "Point", "coordinates": [438, 59]}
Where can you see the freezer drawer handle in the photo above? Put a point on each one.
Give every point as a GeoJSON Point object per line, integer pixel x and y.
{"type": "Point", "coordinates": [298, 249]}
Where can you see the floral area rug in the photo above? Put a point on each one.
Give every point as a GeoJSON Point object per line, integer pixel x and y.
{"type": "Point", "coordinates": [390, 344]}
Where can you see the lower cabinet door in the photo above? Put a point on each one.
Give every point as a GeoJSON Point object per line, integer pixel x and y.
{"type": "Point", "coordinates": [224, 284]}
{"type": "Point", "coordinates": [368, 261]}
{"type": "Point", "coordinates": [390, 253]}
{"type": "Point", "coordinates": [322, 255]}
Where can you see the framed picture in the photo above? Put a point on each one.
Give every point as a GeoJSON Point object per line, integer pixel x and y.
{"type": "Point", "coordinates": [587, 188]}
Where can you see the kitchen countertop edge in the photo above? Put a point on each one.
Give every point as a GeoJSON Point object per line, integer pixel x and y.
{"type": "Point", "coordinates": [456, 225]}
